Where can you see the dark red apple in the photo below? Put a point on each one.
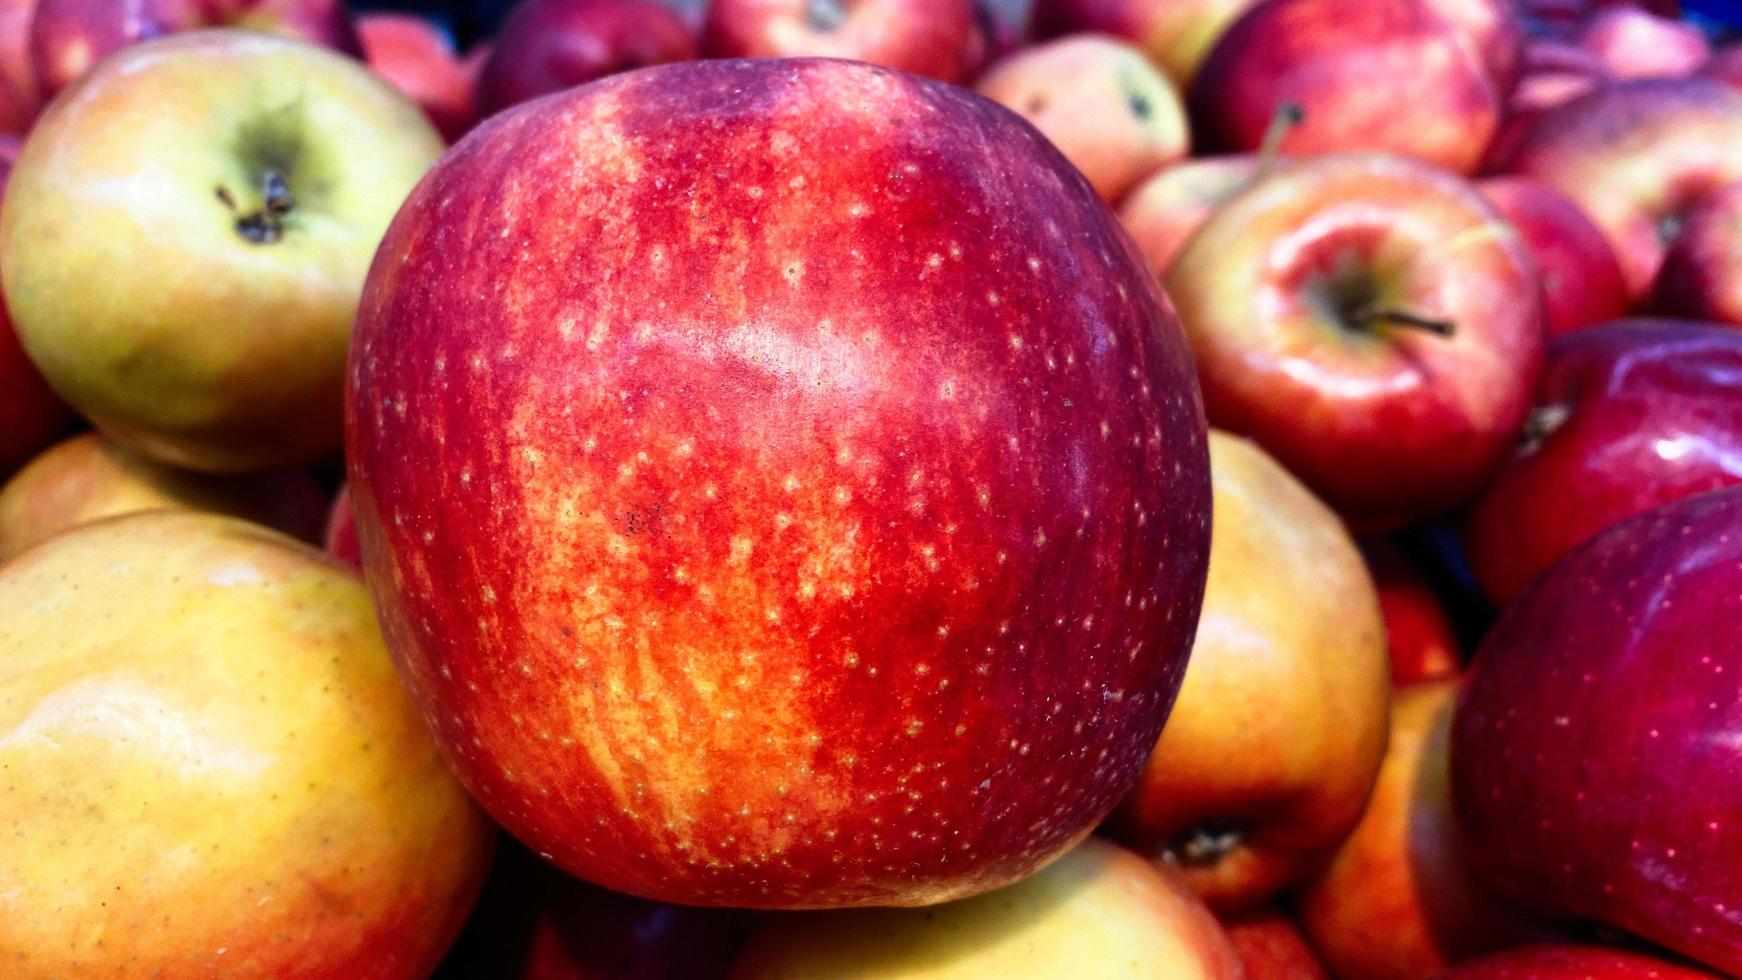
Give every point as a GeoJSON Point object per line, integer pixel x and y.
{"type": "Point", "coordinates": [1628, 416]}
{"type": "Point", "coordinates": [31, 414]}
{"type": "Point", "coordinates": [1373, 323]}
{"type": "Point", "coordinates": [1594, 773]}
{"type": "Point", "coordinates": [1702, 273]}
{"type": "Point", "coordinates": [549, 45]}
{"type": "Point", "coordinates": [340, 536]}
{"type": "Point", "coordinates": [1569, 962]}
{"type": "Point", "coordinates": [936, 38]}
{"type": "Point", "coordinates": [1388, 75]}
{"type": "Point", "coordinates": [1423, 645]}
{"type": "Point", "coordinates": [1634, 43]}
{"type": "Point", "coordinates": [800, 529]}
{"type": "Point", "coordinates": [1581, 278]}
{"type": "Point", "coordinates": [419, 59]}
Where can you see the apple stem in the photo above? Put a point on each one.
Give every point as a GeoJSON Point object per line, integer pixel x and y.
{"type": "Point", "coordinates": [1368, 317]}
{"type": "Point", "coordinates": [1288, 115]}
{"type": "Point", "coordinates": [266, 225]}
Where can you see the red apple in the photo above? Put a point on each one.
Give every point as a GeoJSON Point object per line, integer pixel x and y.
{"type": "Point", "coordinates": [1493, 32]}
{"type": "Point", "coordinates": [549, 45]}
{"type": "Point", "coordinates": [419, 59]}
{"type": "Point", "coordinates": [1098, 100]}
{"type": "Point", "coordinates": [1638, 157]}
{"type": "Point", "coordinates": [1176, 34]}
{"type": "Point", "coordinates": [1388, 75]}
{"type": "Point", "coordinates": [340, 536]}
{"type": "Point", "coordinates": [67, 37]}
{"type": "Point", "coordinates": [1634, 43]}
{"type": "Point", "coordinates": [1629, 416]}
{"type": "Point", "coordinates": [1592, 769]}
{"type": "Point", "coordinates": [31, 414]}
{"type": "Point", "coordinates": [19, 99]}
{"type": "Point", "coordinates": [1702, 272]}
{"type": "Point", "coordinates": [1165, 211]}
{"type": "Point", "coordinates": [783, 614]}
{"type": "Point", "coordinates": [1271, 947]}
{"type": "Point", "coordinates": [935, 38]}
{"type": "Point", "coordinates": [1725, 65]}
{"type": "Point", "coordinates": [1373, 323]}
{"type": "Point", "coordinates": [1553, 72]}
{"type": "Point", "coordinates": [1423, 645]}
{"type": "Point", "coordinates": [1581, 279]}
{"type": "Point", "coordinates": [1569, 962]}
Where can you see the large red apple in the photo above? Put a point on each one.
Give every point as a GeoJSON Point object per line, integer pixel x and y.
{"type": "Point", "coordinates": [1373, 323]}
{"type": "Point", "coordinates": [1628, 416]}
{"type": "Point", "coordinates": [802, 529]}
{"type": "Point", "coordinates": [1163, 212]}
{"type": "Point", "coordinates": [1635, 43]}
{"type": "Point", "coordinates": [1593, 772]}
{"type": "Point", "coordinates": [549, 45]}
{"type": "Point", "coordinates": [1570, 962]}
{"type": "Point", "coordinates": [1418, 631]}
{"type": "Point", "coordinates": [31, 414]}
{"type": "Point", "coordinates": [1702, 272]}
{"type": "Point", "coordinates": [1581, 278]}
{"type": "Point", "coordinates": [419, 59]}
{"type": "Point", "coordinates": [1176, 34]}
{"type": "Point", "coordinates": [1386, 75]}
{"type": "Point", "coordinates": [936, 38]}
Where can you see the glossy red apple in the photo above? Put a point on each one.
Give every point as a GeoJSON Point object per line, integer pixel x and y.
{"type": "Point", "coordinates": [549, 45]}
{"type": "Point", "coordinates": [1701, 276]}
{"type": "Point", "coordinates": [935, 38]}
{"type": "Point", "coordinates": [1570, 962]}
{"type": "Point", "coordinates": [31, 414]}
{"type": "Point", "coordinates": [1593, 774]}
{"type": "Point", "coordinates": [782, 614]}
{"type": "Point", "coordinates": [1271, 947]}
{"type": "Point", "coordinates": [1385, 75]}
{"type": "Point", "coordinates": [1628, 416]}
{"type": "Point", "coordinates": [1423, 645]}
{"type": "Point", "coordinates": [1638, 157]}
{"type": "Point", "coordinates": [340, 535]}
{"type": "Point", "coordinates": [1634, 43]}
{"type": "Point", "coordinates": [1581, 279]}
{"type": "Point", "coordinates": [1373, 323]}
{"type": "Point", "coordinates": [1165, 211]}
{"type": "Point", "coordinates": [19, 99]}
{"type": "Point", "coordinates": [1176, 34]}
{"type": "Point", "coordinates": [419, 59]}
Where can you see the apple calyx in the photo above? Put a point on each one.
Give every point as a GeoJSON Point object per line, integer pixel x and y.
{"type": "Point", "coordinates": [825, 16]}
{"type": "Point", "coordinates": [266, 225]}
{"type": "Point", "coordinates": [1204, 845]}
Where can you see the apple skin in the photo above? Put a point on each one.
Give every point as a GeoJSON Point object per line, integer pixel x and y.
{"type": "Point", "coordinates": [1631, 416]}
{"type": "Point", "coordinates": [19, 99]}
{"type": "Point", "coordinates": [1588, 773]}
{"type": "Point", "coordinates": [68, 37]}
{"type": "Point", "coordinates": [1637, 156]}
{"type": "Point", "coordinates": [239, 788]}
{"type": "Point", "coordinates": [1701, 276]}
{"type": "Point", "coordinates": [1165, 211]}
{"type": "Point", "coordinates": [1553, 72]}
{"type": "Point", "coordinates": [1098, 911]}
{"type": "Point", "coordinates": [549, 45]}
{"type": "Point", "coordinates": [1389, 424]}
{"type": "Point", "coordinates": [1098, 100]}
{"type": "Point", "coordinates": [871, 555]}
{"type": "Point", "coordinates": [1271, 947]}
{"type": "Point", "coordinates": [1418, 631]}
{"type": "Point", "coordinates": [419, 59]}
{"type": "Point", "coordinates": [1382, 75]}
{"type": "Point", "coordinates": [1634, 43]}
{"type": "Point", "coordinates": [1175, 34]}
{"type": "Point", "coordinates": [31, 414]}
{"type": "Point", "coordinates": [86, 479]}
{"type": "Point", "coordinates": [1565, 961]}
{"type": "Point", "coordinates": [1724, 66]}
{"type": "Point", "coordinates": [1582, 284]}
{"type": "Point", "coordinates": [1289, 599]}
{"type": "Point", "coordinates": [1493, 32]}
{"type": "Point", "coordinates": [340, 536]}
{"type": "Point", "coordinates": [115, 295]}
{"type": "Point", "coordinates": [935, 38]}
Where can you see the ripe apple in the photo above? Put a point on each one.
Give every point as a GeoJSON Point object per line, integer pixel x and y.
{"type": "Point", "coordinates": [69, 37]}
{"type": "Point", "coordinates": [340, 536]}
{"type": "Point", "coordinates": [211, 768]}
{"type": "Point", "coordinates": [1591, 769]}
{"type": "Point", "coordinates": [1271, 947]}
{"type": "Point", "coordinates": [1165, 211]}
{"type": "Point", "coordinates": [1638, 157]}
{"type": "Point", "coordinates": [1099, 911]}
{"type": "Point", "coordinates": [808, 619]}
{"type": "Point", "coordinates": [258, 175]}
{"type": "Point", "coordinates": [1581, 279]}
{"type": "Point", "coordinates": [1634, 43]}
{"type": "Point", "coordinates": [1702, 272]}
{"type": "Point", "coordinates": [1373, 323]}
{"type": "Point", "coordinates": [1175, 34]}
{"type": "Point", "coordinates": [419, 59]}
{"type": "Point", "coordinates": [1386, 75]}
{"type": "Point", "coordinates": [935, 38]}
{"type": "Point", "coordinates": [1418, 631]}
{"type": "Point", "coordinates": [549, 45]}
{"type": "Point", "coordinates": [1236, 797]}
{"type": "Point", "coordinates": [1553, 72]}
{"type": "Point", "coordinates": [86, 479]}
{"type": "Point", "coordinates": [31, 414]}
{"type": "Point", "coordinates": [19, 99]}
{"type": "Point", "coordinates": [1570, 962]}
{"type": "Point", "coordinates": [1098, 100]}
{"type": "Point", "coordinates": [1725, 66]}
{"type": "Point", "coordinates": [1629, 416]}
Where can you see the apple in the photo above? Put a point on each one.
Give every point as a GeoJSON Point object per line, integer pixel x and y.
{"type": "Point", "coordinates": [69, 37]}
{"type": "Point", "coordinates": [1634, 43]}
{"type": "Point", "coordinates": [1099, 911]}
{"type": "Point", "coordinates": [1098, 100]}
{"type": "Point", "coordinates": [1373, 323]}
{"type": "Point", "coordinates": [1725, 66]}
{"type": "Point", "coordinates": [1382, 75]}
{"type": "Point", "coordinates": [1565, 961]}
{"type": "Point", "coordinates": [340, 535]}
{"type": "Point", "coordinates": [809, 619]}
{"type": "Point", "coordinates": [1163, 212]}
{"type": "Point", "coordinates": [1175, 34]}
{"type": "Point", "coordinates": [1398, 900]}
{"type": "Point", "coordinates": [211, 768]}
{"type": "Point", "coordinates": [549, 45]}
{"type": "Point", "coordinates": [1236, 796]}
{"type": "Point", "coordinates": [1606, 691]}
{"type": "Point", "coordinates": [1701, 276]}
{"type": "Point", "coordinates": [935, 38]}
{"type": "Point", "coordinates": [1638, 157]}
{"type": "Point", "coordinates": [258, 175]}
{"type": "Point", "coordinates": [1493, 33]}
{"type": "Point", "coordinates": [19, 99]}
{"type": "Point", "coordinates": [1581, 279]}
{"type": "Point", "coordinates": [1418, 632]}
{"type": "Point", "coordinates": [31, 414]}
{"type": "Point", "coordinates": [86, 479]}
{"type": "Point", "coordinates": [1629, 416]}
{"type": "Point", "coordinates": [1271, 947]}
{"type": "Point", "coordinates": [419, 59]}
{"type": "Point", "coordinates": [1553, 72]}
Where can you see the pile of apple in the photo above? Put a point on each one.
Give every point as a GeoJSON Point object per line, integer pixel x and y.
{"type": "Point", "coordinates": [871, 489]}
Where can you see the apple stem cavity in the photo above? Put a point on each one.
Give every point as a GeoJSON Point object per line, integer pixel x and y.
{"type": "Point", "coordinates": [265, 226]}
{"type": "Point", "coordinates": [1204, 845]}
{"type": "Point", "coordinates": [1367, 318]}
{"type": "Point", "coordinates": [1287, 117]}
{"type": "Point", "coordinates": [825, 15]}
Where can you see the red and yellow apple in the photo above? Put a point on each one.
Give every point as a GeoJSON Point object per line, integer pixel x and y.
{"type": "Point", "coordinates": [549, 45]}
{"type": "Point", "coordinates": [420, 60]}
{"type": "Point", "coordinates": [1165, 211]}
{"type": "Point", "coordinates": [935, 38]}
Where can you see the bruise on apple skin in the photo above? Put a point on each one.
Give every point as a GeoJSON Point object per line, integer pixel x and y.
{"type": "Point", "coordinates": [782, 484]}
